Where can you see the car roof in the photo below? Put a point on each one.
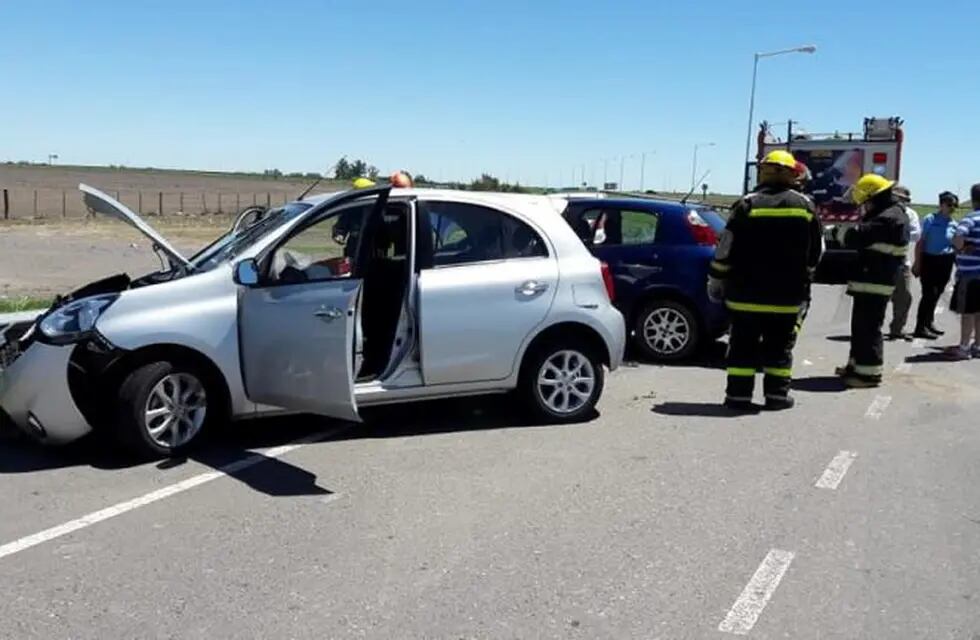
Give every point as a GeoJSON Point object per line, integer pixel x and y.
{"type": "Point", "coordinates": [673, 206]}
{"type": "Point", "coordinates": [526, 203]}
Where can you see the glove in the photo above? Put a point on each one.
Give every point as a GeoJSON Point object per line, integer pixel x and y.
{"type": "Point", "coordinates": [716, 290]}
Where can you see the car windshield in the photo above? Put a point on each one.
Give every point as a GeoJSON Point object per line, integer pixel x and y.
{"type": "Point", "coordinates": [229, 245]}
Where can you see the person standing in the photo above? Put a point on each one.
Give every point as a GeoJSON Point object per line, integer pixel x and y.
{"type": "Point", "coordinates": [881, 240]}
{"type": "Point", "coordinates": [933, 265]}
{"type": "Point", "coordinates": [966, 291]}
{"type": "Point", "coordinates": [761, 270]}
{"type": "Point", "coordinates": [902, 297]}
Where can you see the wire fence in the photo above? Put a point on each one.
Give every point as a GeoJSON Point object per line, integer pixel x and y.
{"type": "Point", "coordinates": [49, 203]}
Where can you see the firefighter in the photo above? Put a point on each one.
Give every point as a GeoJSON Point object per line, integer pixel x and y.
{"type": "Point", "coordinates": [881, 240]}
{"type": "Point", "coordinates": [761, 269]}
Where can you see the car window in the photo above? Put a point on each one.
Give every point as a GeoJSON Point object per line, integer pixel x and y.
{"type": "Point", "coordinates": [324, 251]}
{"type": "Point", "coordinates": [465, 233]}
{"type": "Point", "coordinates": [639, 227]}
{"type": "Point", "coordinates": [607, 226]}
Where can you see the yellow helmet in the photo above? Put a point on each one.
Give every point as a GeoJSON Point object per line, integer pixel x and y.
{"type": "Point", "coordinates": [363, 183]}
{"type": "Point", "coordinates": [780, 158]}
{"type": "Point", "coordinates": [868, 186]}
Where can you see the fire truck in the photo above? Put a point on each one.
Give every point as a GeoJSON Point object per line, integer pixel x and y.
{"type": "Point", "coordinates": [836, 160]}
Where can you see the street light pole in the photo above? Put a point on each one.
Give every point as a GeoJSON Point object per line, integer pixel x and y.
{"type": "Point", "coordinates": [694, 165]}
{"type": "Point", "coordinates": [755, 72]}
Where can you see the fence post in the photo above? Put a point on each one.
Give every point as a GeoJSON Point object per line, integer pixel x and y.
{"type": "Point", "coordinates": [268, 199]}
{"type": "Point", "coordinates": [64, 204]}
{"type": "Point", "coordinates": [253, 199]}
{"type": "Point", "coordinates": [160, 205]}
{"type": "Point", "coordinates": [35, 203]}
{"type": "Point", "coordinates": [139, 208]}
{"type": "Point", "coordinates": [285, 198]}
{"type": "Point", "coordinates": [6, 205]}
{"type": "Point", "coordinates": [219, 202]}
{"type": "Point", "coordinates": [182, 202]}
{"type": "Point", "coordinates": [117, 195]}
{"type": "Point", "coordinates": [238, 202]}
{"type": "Point", "coordinates": [204, 202]}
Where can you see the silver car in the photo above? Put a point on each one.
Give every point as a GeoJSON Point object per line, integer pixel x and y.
{"type": "Point", "coordinates": [324, 306]}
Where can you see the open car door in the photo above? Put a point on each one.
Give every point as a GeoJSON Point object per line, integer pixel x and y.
{"type": "Point", "coordinates": [297, 333]}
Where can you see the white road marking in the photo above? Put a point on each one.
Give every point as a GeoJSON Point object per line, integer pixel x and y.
{"type": "Point", "coordinates": [918, 343]}
{"type": "Point", "coordinates": [95, 517]}
{"type": "Point", "coordinates": [939, 309]}
{"type": "Point", "coordinates": [808, 363]}
{"type": "Point", "coordinates": [905, 367]}
{"type": "Point", "coordinates": [835, 471]}
{"type": "Point", "coordinates": [877, 407]}
{"type": "Point", "coordinates": [749, 605]}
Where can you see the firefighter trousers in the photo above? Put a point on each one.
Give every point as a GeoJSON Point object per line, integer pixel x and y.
{"type": "Point", "coordinates": [760, 340]}
{"type": "Point", "coordinates": [867, 349]}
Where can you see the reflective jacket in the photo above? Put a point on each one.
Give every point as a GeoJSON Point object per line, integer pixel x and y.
{"type": "Point", "coordinates": [882, 240]}
{"type": "Point", "coordinates": [768, 251]}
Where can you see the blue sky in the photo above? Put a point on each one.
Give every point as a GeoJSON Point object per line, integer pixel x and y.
{"type": "Point", "coordinates": [528, 91]}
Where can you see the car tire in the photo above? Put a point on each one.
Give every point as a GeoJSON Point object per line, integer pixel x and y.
{"type": "Point", "coordinates": [163, 409]}
{"type": "Point", "coordinates": [666, 331]}
{"type": "Point", "coordinates": [575, 379]}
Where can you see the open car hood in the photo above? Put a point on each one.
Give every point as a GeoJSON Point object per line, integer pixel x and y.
{"type": "Point", "coordinates": [107, 205]}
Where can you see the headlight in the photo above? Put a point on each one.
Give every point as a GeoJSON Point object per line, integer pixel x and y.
{"type": "Point", "coordinates": [75, 320]}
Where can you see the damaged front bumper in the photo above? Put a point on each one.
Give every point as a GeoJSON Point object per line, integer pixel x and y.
{"type": "Point", "coordinates": [35, 394]}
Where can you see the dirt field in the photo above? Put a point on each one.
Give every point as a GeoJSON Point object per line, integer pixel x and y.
{"type": "Point", "coordinates": [38, 191]}
{"type": "Point", "coordinates": [41, 260]}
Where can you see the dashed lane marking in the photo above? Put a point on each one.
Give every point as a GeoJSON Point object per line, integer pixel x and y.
{"type": "Point", "coordinates": [95, 517]}
{"type": "Point", "coordinates": [754, 598]}
{"type": "Point", "coordinates": [877, 407]}
{"type": "Point", "coordinates": [835, 471]}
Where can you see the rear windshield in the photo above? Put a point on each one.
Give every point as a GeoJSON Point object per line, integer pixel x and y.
{"type": "Point", "coordinates": [713, 218]}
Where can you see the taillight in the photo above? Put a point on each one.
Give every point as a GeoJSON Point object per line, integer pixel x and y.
{"type": "Point", "coordinates": [701, 231]}
{"type": "Point", "coordinates": [607, 279]}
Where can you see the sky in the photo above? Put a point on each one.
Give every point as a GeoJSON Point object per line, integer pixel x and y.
{"type": "Point", "coordinates": [534, 92]}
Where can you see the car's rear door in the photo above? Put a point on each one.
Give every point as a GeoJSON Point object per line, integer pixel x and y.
{"type": "Point", "coordinates": [297, 325]}
{"type": "Point", "coordinates": [627, 239]}
{"type": "Point", "coordinates": [486, 281]}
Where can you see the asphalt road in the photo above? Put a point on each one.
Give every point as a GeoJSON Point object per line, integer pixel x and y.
{"type": "Point", "coordinates": [662, 518]}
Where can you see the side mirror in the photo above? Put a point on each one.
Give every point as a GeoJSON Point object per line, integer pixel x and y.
{"type": "Point", "coordinates": [247, 273]}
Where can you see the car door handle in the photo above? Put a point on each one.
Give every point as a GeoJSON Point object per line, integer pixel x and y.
{"type": "Point", "coordinates": [531, 288]}
{"type": "Point", "coordinates": [328, 314]}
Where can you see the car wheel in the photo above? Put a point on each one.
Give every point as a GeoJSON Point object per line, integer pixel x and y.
{"type": "Point", "coordinates": [666, 330]}
{"type": "Point", "coordinates": [561, 383]}
{"type": "Point", "coordinates": [163, 408]}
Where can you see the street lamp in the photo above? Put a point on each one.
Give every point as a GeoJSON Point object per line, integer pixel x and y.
{"type": "Point", "coordinates": [643, 166]}
{"type": "Point", "coordinates": [755, 71]}
{"type": "Point", "coordinates": [694, 165]}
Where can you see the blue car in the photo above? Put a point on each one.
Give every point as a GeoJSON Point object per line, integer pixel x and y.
{"type": "Point", "coordinates": [658, 252]}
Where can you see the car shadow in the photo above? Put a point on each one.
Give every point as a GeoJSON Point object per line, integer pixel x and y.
{"type": "Point", "coordinates": [701, 409]}
{"type": "Point", "coordinates": [231, 449]}
{"type": "Point", "coordinates": [711, 356]}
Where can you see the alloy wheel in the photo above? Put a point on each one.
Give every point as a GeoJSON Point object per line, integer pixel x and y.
{"type": "Point", "coordinates": [566, 381]}
{"type": "Point", "coordinates": [175, 410]}
{"type": "Point", "coordinates": [666, 331]}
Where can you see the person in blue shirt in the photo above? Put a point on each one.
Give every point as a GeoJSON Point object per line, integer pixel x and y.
{"type": "Point", "coordinates": [966, 293]}
{"type": "Point", "coordinates": [934, 256]}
